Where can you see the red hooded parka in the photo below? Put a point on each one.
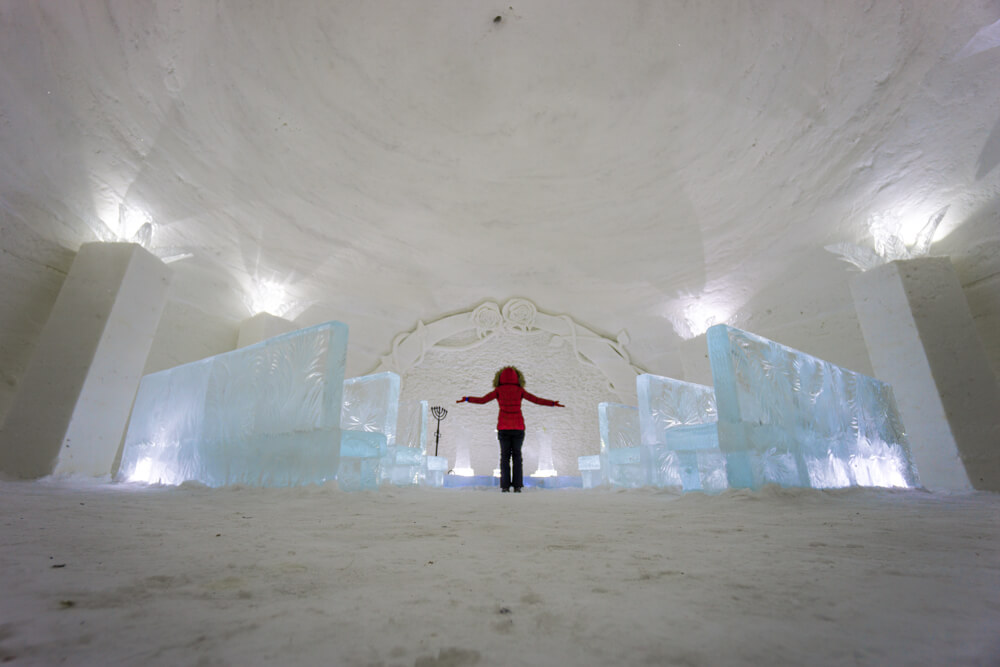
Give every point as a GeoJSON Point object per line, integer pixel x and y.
{"type": "Point", "coordinates": [509, 393]}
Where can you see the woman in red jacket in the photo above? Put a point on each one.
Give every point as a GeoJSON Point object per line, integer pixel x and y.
{"type": "Point", "coordinates": [508, 390]}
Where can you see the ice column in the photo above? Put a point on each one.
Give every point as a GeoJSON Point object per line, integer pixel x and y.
{"type": "Point", "coordinates": [922, 340]}
{"type": "Point", "coordinates": [74, 398]}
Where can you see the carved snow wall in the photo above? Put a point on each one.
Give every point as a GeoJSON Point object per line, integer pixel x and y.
{"type": "Point", "coordinates": [458, 355]}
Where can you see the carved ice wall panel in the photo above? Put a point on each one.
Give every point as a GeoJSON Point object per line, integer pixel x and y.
{"type": "Point", "coordinates": [266, 415]}
{"type": "Point", "coordinates": [789, 418]}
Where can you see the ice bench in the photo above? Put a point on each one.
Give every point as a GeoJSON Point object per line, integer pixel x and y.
{"type": "Point", "coordinates": [788, 418]}
{"type": "Point", "coordinates": [384, 440]}
{"type": "Point", "coordinates": [777, 415]}
{"type": "Point", "coordinates": [266, 415]}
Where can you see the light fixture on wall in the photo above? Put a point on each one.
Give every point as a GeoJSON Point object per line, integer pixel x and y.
{"type": "Point", "coordinates": [893, 237]}
{"type": "Point", "coordinates": [268, 296]}
{"type": "Point", "coordinates": [691, 315]}
{"type": "Point", "coordinates": [135, 224]}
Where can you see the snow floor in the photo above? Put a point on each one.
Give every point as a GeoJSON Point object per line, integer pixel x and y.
{"type": "Point", "coordinates": [112, 574]}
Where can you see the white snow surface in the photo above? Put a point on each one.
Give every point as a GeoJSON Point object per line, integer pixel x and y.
{"type": "Point", "coordinates": [103, 574]}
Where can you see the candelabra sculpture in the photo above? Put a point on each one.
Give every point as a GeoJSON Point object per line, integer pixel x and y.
{"type": "Point", "coordinates": [439, 414]}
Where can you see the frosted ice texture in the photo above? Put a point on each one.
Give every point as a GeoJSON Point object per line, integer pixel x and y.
{"type": "Point", "coordinates": [406, 460]}
{"type": "Point", "coordinates": [263, 415]}
{"type": "Point", "coordinates": [368, 422]}
{"type": "Point", "coordinates": [620, 452]}
{"type": "Point", "coordinates": [371, 405]}
{"type": "Point", "coordinates": [679, 437]}
{"type": "Point", "coordinates": [437, 467]}
{"type": "Point", "coordinates": [788, 418]}
{"type": "Point", "coordinates": [665, 403]}
{"type": "Point", "coordinates": [590, 471]}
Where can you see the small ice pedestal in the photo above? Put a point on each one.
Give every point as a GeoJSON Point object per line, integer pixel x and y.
{"type": "Point", "coordinates": [368, 423]}
{"type": "Point", "coordinates": [789, 418]}
{"type": "Point", "coordinates": [263, 415]}
{"type": "Point", "coordinates": [590, 470]}
{"type": "Point", "coordinates": [437, 468]}
{"type": "Point", "coordinates": [622, 462]}
{"type": "Point", "coordinates": [680, 440]}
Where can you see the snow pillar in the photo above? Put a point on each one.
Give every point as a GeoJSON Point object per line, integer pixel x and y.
{"type": "Point", "coordinates": [921, 339]}
{"type": "Point", "coordinates": [73, 402]}
{"type": "Point", "coordinates": [261, 327]}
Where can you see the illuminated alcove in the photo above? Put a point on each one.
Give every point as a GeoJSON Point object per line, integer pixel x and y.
{"type": "Point", "coordinates": [458, 355]}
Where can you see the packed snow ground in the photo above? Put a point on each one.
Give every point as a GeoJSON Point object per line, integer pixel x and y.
{"type": "Point", "coordinates": [120, 574]}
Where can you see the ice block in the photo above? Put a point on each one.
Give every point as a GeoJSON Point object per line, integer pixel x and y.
{"type": "Point", "coordinates": [789, 418]}
{"type": "Point", "coordinates": [680, 443]}
{"type": "Point", "coordinates": [263, 415]}
{"type": "Point", "coordinates": [621, 459]}
{"type": "Point", "coordinates": [590, 470]}
{"type": "Point", "coordinates": [368, 422]}
{"type": "Point", "coordinates": [437, 468]}
{"type": "Point", "coordinates": [405, 462]}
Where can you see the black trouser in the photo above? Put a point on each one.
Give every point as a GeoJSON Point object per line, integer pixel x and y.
{"type": "Point", "coordinates": [510, 448]}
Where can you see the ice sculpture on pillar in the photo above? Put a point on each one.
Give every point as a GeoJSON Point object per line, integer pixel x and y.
{"type": "Point", "coordinates": [264, 415]}
{"type": "Point", "coordinates": [788, 418]}
{"type": "Point", "coordinates": [368, 423]}
{"type": "Point", "coordinates": [680, 440]}
{"type": "Point", "coordinates": [621, 458]}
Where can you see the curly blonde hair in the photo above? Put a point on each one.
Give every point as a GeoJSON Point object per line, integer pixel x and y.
{"type": "Point", "coordinates": [496, 378]}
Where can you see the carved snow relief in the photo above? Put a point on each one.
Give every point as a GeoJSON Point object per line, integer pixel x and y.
{"type": "Point", "coordinates": [518, 316]}
{"type": "Point", "coordinates": [458, 355]}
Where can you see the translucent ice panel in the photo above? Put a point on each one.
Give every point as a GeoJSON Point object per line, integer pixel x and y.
{"type": "Point", "coordinates": [360, 461]}
{"type": "Point", "coordinates": [590, 470]}
{"type": "Point", "coordinates": [437, 463]}
{"type": "Point", "coordinates": [619, 426]}
{"type": "Point", "coordinates": [689, 457]}
{"type": "Point", "coordinates": [627, 467]}
{"type": "Point", "coordinates": [404, 463]}
{"type": "Point", "coordinates": [665, 403]}
{"type": "Point", "coordinates": [437, 467]}
{"type": "Point", "coordinates": [411, 429]}
{"type": "Point", "coordinates": [371, 403]}
{"type": "Point", "coordinates": [788, 418]}
{"type": "Point", "coordinates": [267, 415]}
{"type": "Point", "coordinates": [679, 434]}
{"type": "Point", "coordinates": [620, 452]}
{"type": "Point", "coordinates": [369, 419]}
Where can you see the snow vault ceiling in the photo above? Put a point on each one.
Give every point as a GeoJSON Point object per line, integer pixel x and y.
{"type": "Point", "coordinates": [654, 166]}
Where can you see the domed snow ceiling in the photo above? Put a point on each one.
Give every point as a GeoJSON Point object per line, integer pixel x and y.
{"type": "Point", "coordinates": [649, 166]}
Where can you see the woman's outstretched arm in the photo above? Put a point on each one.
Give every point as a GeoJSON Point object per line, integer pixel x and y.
{"type": "Point", "coordinates": [479, 399]}
{"type": "Point", "coordinates": [542, 401]}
